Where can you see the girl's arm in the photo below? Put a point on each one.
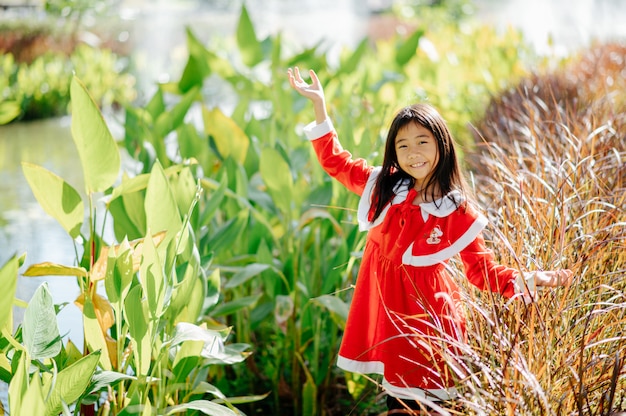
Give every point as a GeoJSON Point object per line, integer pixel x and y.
{"type": "Point", "coordinates": [336, 161]}
{"type": "Point", "coordinates": [483, 272]}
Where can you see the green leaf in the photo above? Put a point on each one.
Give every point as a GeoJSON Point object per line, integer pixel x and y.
{"type": "Point", "coordinates": [33, 401]}
{"type": "Point", "coordinates": [94, 337]}
{"type": "Point", "coordinates": [350, 65]}
{"type": "Point", "coordinates": [238, 304]}
{"type": "Point", "coordinates": [230, 139]}
{"type": "Point", "coordinates": [309, 397]}
{"type": "Point", "coordinates": [56, 197]}
{"type": "Point", "coordinates": [97, 150]}
{"type": "Point", "coordinates": [277, 177]}
{"type": "Point", "coordinates": [107, 378]}
{"type": "Point", "coordinates": [40, 329]}
{"type": "Point", "coordinates": [408, 48]}
{"type": "Point", "coordinates": [337, 307]}
{"type": "Point", "coordinates": [246, 274]}
{"type": "Point", "coordinates": [8, 277]}
{"type": "Point", "coordinates": [172, 119]}
{"type": "Point", "coordinates": [229, 232]}
{"type": "Point", "coordinates": [152, 279]}
{"type": "Point", "coordinates": [249, 46]}
{"type": "Point", "coordinates": [205, 406]}
{"type": "Point", "coordinates": [136, 312]}
{"type": "Point", "coordinates": [161, 208]}
{"type": "Point", "coordinates": [71, 383]}
{"type": "Point", "coordinates": [119, 273]}
{"type": "Point", "coordinates": [19, 384]}
{"type": "Point", "coordinates": [53, 269]}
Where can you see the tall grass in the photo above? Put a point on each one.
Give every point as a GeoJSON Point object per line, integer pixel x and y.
{"type": "Point", "coordinates": [551, 172]}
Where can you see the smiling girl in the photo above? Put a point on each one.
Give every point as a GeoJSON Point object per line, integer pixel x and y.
{"type": "Point", "coordinates": [404, 319]}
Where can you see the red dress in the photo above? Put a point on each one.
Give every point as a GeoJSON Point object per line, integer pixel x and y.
{"type": "Point", "coordinates": [404, 313]}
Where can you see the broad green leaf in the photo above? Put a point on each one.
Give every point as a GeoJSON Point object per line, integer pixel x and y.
{"type": "Point", "coordinates": [337, 307]}
{"type": "Point", "coordinates": [188, 295]}
{"type": "Point", "coordinates": [249, 46]}
{"type": "Point", "coordinates": [56, 197]}
{"type": "Point", "coordinates": [19, 383]}
{"type": "Point", "coordinates": [170, 120]}
{"type": "Point", "coordinates": [238, 304]}
{"type": "Point", "coordinates": [104, 379]}
{"type": "Point", "coordinates": [96, 147]}
{"type": "Point", "coordinates": [152, 277]}
{"type": "Point", "coordinates": [187, 360]}
{"type": "Point", "coordinates": [33, 402]}
{"type": "Point", "coordinates": [52, 269]}
{"type": "Point", "coordinates": [8, 277]}
{"type": "Point", "coordinates": [40, 329]}
{"type": "Point", "coordinates": [205, 406]}
{"type": "Point", "coordinates": [71, 383]}
{"type": "Point", "coordinates": [119, 274]}
{"type": "Point", "coordinates": [246, 274]}
{"type": "Point", "coordinates": [161, 209]}
{"type": "Point", "coordinates": [214, 199]}
{"type": "Point", "coordinates": [230, 231]}
{"type": "Point", "coordinates": [408, 48]}
{"type": "Point", "coordinates": [136, 312]}
{"type": "Point", "coordinates": [94, 335]}
{"type": "Point", "coordinates": [350, 65]}
{"type": "Point", "coordinates": [277, 176]}
{"type": "Point", "coordinates": [230, 139]}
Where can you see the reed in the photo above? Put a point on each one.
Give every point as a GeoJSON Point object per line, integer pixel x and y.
{"type": "Point", "coordinates": [550, 171]}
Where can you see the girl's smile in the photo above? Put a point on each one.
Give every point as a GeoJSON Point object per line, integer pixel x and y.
{"type": "Point", "coordinates": [417, 152]}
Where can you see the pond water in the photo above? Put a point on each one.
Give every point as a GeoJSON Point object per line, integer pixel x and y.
{"type": "Point", "coordinates": [158, 35]}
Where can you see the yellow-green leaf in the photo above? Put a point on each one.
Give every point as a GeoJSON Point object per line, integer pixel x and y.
{"type": "Point", "coordinates": [56, 197]}
{"type": "Point", "coordinates": [8, 277]}
{"type": "Point", "coordinates": [276, 175]}
{"type": "Point", "coordinates": [97, 150]}
{"type": "Point", "coordinates": [53, 269]}
{"type": "Point", "coordinates": [229, 138]}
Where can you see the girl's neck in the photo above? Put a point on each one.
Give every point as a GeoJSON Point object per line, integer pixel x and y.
{"type": "Point", "coordinates": [429, 194]}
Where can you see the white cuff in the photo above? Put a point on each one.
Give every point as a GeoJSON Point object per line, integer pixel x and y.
{"type": "Point", "coordinates": [315, 131]}
{"type": "Point", "coordinates": [526, 287]}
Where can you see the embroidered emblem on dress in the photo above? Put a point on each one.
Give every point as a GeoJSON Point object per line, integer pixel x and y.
{"type": "Point", "coordinates": [434, 236]}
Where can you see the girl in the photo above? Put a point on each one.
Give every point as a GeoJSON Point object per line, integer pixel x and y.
{"type": "Point", "coordinates": [404, 316]}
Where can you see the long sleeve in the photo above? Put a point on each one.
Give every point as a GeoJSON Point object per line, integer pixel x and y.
{"type": "Point", "coordinates": [336, 161]}
{"type": "Point", "coordinates": [484, 273]}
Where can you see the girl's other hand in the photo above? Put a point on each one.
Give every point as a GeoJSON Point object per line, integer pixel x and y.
{"type": "Point", "coordinates": [313, 91]}
{"type": "Point", "coordinates": [554, 278]}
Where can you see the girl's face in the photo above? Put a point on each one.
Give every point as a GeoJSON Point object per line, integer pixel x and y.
{"type": "Point", "coordinates": [417, 152]}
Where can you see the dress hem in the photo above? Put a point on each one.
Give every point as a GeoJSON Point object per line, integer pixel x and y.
{"type": "Point", "coordinates": [407, 393]}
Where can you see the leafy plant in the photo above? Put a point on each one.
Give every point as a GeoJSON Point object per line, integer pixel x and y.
{"type": "Point", "coordinates": [146, 350]}
{"type": "Point", "coordinates": [42, 88]}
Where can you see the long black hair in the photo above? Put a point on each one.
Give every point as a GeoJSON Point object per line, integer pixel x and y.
{"type": "Point", "coordinates": [447, 174]}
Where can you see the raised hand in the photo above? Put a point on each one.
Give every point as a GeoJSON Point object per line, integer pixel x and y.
{"type": "Point", "coordinates": [312, 91]}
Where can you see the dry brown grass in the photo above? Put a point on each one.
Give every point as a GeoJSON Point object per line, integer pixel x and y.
{"type": "Point", "coordinates": [551, 172]}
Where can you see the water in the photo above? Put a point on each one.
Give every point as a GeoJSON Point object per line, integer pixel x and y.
{"type": "Point", "coordinates": [24, 226]}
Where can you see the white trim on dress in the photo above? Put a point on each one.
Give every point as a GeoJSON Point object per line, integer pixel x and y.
{"type": "Point", "coordinates": [407, 393]}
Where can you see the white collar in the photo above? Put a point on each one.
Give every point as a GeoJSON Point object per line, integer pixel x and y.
{"type": "Point", "coordinates": [440, 208]}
